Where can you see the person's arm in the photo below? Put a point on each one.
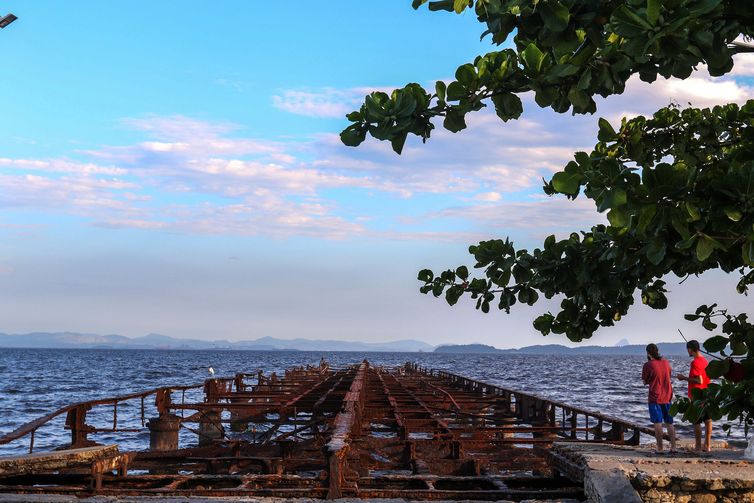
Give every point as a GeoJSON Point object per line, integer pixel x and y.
{"type": "Point", "coordinates": [691, 379]}
{"type": "Point", "coordinates": [645, 374]}
{"type": "Point", "coordinates": [694, 376]}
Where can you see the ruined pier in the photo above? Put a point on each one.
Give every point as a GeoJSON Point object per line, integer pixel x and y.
{"type": "Point", "coordinates": [319, 432]}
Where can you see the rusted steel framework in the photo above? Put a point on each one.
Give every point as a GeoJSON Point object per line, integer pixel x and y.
{"type": "Point", "coordinates": [359, 431]}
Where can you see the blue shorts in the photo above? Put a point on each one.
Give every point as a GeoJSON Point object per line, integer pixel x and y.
{"type": "Point", "coordinates": [660, 413]}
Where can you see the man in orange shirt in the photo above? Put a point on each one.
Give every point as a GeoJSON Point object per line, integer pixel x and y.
{"type": "Point", "coordinates": [698, 379]}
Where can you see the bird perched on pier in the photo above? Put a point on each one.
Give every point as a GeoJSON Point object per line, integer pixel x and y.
{"type": "Point", "coordinates": [211, 372]}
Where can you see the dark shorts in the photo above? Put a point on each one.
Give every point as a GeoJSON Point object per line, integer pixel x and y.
{"type": "Point", "coordinates": [660, 413]}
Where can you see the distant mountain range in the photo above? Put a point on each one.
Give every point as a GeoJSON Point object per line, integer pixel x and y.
{"type": "Point", "coordinates": [156, 341]}
{"type": "Point", "coordinates": [666, 348]}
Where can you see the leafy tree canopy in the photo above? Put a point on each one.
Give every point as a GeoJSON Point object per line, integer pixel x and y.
{"type": "Point", "coordinates": [677, 188]}
{"type": "Point", "coordinates": [566, 52]}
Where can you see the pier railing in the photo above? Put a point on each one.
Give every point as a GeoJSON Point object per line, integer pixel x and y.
{"type": "Point", "coordinates": [567, 421]}
{"type": "Point", "coordinates": [224, 400]}
{"type": "Point", "coordinates": [76, 415]}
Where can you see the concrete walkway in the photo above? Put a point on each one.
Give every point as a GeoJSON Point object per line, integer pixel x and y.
{"type": "Point", "coordinates": [633, 474]}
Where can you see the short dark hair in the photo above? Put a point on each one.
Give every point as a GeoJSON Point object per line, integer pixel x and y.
{"type": "Point", "coordinates": [693, 345]}
{"type": "Point", "coordinates": [653, 351]}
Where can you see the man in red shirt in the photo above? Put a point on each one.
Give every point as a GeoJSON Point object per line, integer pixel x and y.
{"type": "Point", "coordinates": [656, 373]}
{"type": "Point", "coordinates": [698, 379]}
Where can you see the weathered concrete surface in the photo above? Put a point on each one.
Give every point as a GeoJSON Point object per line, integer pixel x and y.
{"type": "Point", "coordinates": [57, 498]}
{"type": "Point", "coordinates": [55, 460]}
{"type": "Point", "coordinates": [684, 477]}
{"type": "Point", "coordinates": [606, 486]}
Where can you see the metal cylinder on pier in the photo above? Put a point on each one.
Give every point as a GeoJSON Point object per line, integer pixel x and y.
{"type": "Point", "coordinates": [210, 428]}
{"type": "Point", "coordinates": [163, 432]}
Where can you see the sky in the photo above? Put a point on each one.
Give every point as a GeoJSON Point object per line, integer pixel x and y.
{"type": "Point", "coordinates": [174, 167]}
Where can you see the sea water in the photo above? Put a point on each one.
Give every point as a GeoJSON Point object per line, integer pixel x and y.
{"type": "Point", "coordinates": [34, 382]}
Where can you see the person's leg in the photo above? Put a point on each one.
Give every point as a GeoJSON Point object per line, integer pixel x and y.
{"type": "Point", "coordinates": [655, 416]}
{"type": "Point", "coordinates": [707, 435]}
{"type": "Point", "coordinates": [658, 436]}
{"type": "Point", "coordinates": [697, 437]}
{"type": "Point", "coordinates": [671, 434]}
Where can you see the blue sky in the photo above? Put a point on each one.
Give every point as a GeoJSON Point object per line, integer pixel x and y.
{"type": "Point", "coordinates": [174, 167]}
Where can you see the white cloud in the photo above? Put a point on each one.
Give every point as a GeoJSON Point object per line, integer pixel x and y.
{"type": "Point", "coordinates": [327, 102]}
{"type": "Point", "coordinates": [190, 175]}
{"type": "Point", "coordinates": [743, 65]}
{"type": "Point", "coordinates": [61, 166]}
{"type": "Point", "coordinates": [539, 215]}
{"type": "Point", "coordinates": [492, 197]}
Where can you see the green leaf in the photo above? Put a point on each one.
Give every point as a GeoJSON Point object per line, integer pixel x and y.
{"type": "Point", "coordinates": [646, 215]}
{"type": "Point", "coordinates": [440, 89]}
{"type": "Point", "coordinates": [398, 141]}
{"type": "Point", "coordinates": [452, 294]}
{"type": "Point", "coordinates": [507, 106]}
{"type": "Point", "coordinates": [617, 217]}
{"type": "Point", "coordinates": [353, 135]}
{"type": "Point", "coordinates": [708, 324]}
{"type": "Point", "coordinates": [579, 99]}
{"type": "Point", "coordinates": [656, 252]}
{"type": "Point", "coordinates": [544, 323]}
{"type": "Point", "coordinates": [606, 133]}
{"type": "Point", "coordinates": [704, 248]}
{"type": "Point", "coordinates": [716, 344]}
{"type": "Point", "coordinates": [701, 7]}
{"type": "Point", "coordinates": [554, 14]}
{"type": "Point", "coordinates": [459, 5]}
{"type": "Point", "coordinates": [585, 80]}
{"type": "Point", "coordinates": [733, 214]}
{"type": "Point", "coordinates": [375, 110]}
{"type": "Point", "coordinates": [693, 211]}
{"type": "Point", "coordinates": [437, 289]}
{"type": "Point", "coordinates": [747, 252]}
{"type": "Point", "coordinates": [738, 348]}
{"type": "Point", "coordinates": [567, 183]}
{"type": "Point", "coordinates": [653, 11]}
{"type": "Point", "coordinates": [447, 5]}
{"type": "Point", "coordinates": [456, 91]}
{"type": "Point", "coordinates": [465, 74]}
{"type": "Point", "coordinates": [462, 272]}
{"type": "Point", "coordinates": [717, 368]}
{"type": "Point", "coordinates": [533, 58]}
{"type": "Point", "coordinates": [425, 275]}
{"type": "Point", "coordinates": [455, 120]}
{"type": "Point", "coordinates": [628, 23]}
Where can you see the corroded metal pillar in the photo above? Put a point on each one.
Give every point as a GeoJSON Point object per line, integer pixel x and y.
{"type": "Point", "coordinates": [163, 432]}
{"type": "Point", "coordinates": [210, 428]}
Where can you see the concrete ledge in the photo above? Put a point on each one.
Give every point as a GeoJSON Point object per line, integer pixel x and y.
{"type": "Point", "coordinates": [58, 498]}
{"type": "Point", "coordinates": [609, 486]}
{"type": "Point", "coordinates": [686, 476]}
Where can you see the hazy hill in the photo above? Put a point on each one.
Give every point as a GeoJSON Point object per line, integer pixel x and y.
{"type": "Point", "coordinates": [157, 341]}
{"type": "Point", "coordinates": [467, 348]}
{"type": "Point", "coordinates": [666, 348]}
